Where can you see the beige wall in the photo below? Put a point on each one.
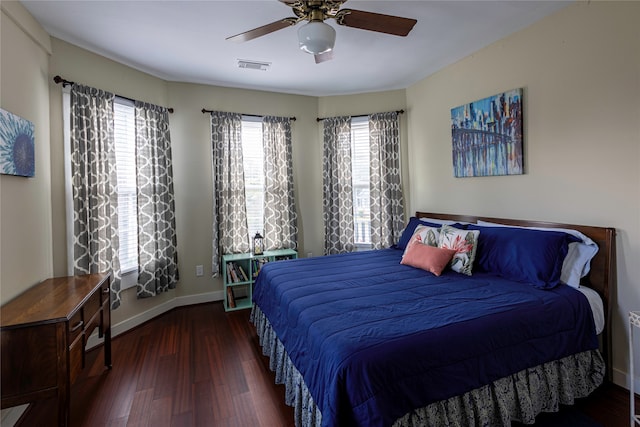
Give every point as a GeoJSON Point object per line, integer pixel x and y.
{"type": "Point", "coordinates": [25, 203]}
{"type": "Point", "coordinates": [580, 70]}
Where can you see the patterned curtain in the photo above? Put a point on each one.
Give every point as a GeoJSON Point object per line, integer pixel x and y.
{"type": "Point", "coordinates": [230, 231]}
{"type": "Point", "coordinates": [94, 180]}
{"type": "Point", "coordinates": [157, 242]}
{"type": "Point", "coordinates": [337, 186]}
{"type": "Point", "coordinates": [280, 216]}
{"type": "Point", "coordinates": [386, 204]}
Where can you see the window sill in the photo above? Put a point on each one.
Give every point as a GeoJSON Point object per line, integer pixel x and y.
{"type": "Point", "coordinates": [129, 278]}
{"type": "Point", "coordinates": [362, 247]}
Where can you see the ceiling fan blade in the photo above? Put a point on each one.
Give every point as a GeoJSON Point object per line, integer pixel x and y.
{"type": "Point", "coordinates": [264, 30]}
{"type": "Point", "coordinates": [322, 57]}
{"type": "Point", "coordinates": [394, 25]}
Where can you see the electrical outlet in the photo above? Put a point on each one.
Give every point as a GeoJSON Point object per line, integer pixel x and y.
{"type": "Point", "coordinates": [199, 270]}
{"type": "Point", "coordinates": [309, 254]}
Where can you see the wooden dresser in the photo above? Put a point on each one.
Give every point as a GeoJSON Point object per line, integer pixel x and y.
{"type": "Point", "coordinates": [44, 331]}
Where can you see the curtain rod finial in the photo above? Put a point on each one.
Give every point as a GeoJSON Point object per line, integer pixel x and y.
{"type": "Point", "coordinates": [57, 80]}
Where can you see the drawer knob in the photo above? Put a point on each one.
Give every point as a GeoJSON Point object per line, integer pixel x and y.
{"type": "Point", "coordinates": [105, 291]}
{"type": "Point", "coordinates": [77, 326]}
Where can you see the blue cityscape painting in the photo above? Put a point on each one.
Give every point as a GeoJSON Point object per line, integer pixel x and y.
{"type": "Point", "coordinates": [486, 136]}
{"type": "Point", "coordinates": [17, 150]}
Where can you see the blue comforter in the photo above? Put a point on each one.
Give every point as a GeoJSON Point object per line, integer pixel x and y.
{"type": "Point", "coordinates": [374, 339]}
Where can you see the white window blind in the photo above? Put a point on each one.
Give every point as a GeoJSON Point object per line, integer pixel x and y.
{"type": "Point", "coordinates": [253, 158]}
{"type": "Point", "coordinates": [124, 123]}
{"type": "Point", "coordinates": [360, 159]}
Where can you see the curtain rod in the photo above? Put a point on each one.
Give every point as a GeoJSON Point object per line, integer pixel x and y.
{"type": "Point", "coordinates": [65, 83]}
{"type": "Point", "coordinates": [319, 119]}
{"type": "Point", "coordinates": [204, 111]}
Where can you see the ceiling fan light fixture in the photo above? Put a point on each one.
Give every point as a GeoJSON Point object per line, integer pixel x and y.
{"type": "Point", "coordinates": [316, 37]}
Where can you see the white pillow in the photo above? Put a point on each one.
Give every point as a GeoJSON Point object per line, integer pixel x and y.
{"type": "Point", "coordinates": [577, 263]}
{"type": "Point", "coordinates": [464, 242]}
{"type": "Point", "coordinates": [597, 307]}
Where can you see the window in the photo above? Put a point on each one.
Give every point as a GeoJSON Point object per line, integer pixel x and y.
{"type": "Point", "coordinates": [360, 158]}
{"type": "Point", "coordinates": [125, 140]}
{"type": "Point", "coordinates": [124, 133]}
{"type": "Point", "coordinates": [253, 159]}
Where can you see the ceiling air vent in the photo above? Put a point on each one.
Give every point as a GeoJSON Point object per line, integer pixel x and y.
{"type": "Point", "coordinates": [253, 65]}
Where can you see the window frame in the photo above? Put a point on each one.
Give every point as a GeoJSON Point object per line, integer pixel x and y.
{"type": "Point", "coordinates": [118, 108]}
{"type": "Point", "coordinates": [249, 130]}
{"type": "Point", "coordinates": [361, 159]}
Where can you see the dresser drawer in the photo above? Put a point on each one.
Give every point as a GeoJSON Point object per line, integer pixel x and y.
{"type": "Point", "coordinates": [76, 325]}
{"type": "Point", "coordinates": [27, 357]}
{"type": "Point", "coordinates": [105, 290]}
{"type": "Point", "coordinates": [93, 323]}
{"type": "Point", "coordinates": [92, 306]}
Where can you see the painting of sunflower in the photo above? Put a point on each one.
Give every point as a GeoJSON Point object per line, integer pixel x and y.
{"type": "Point", "coordinates": [17, 149]}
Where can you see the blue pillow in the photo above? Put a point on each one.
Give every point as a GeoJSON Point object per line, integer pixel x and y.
{"type": "Point", "coordinates": [523, 255]}
{"type": "Point", "coordinates": [411, 228]}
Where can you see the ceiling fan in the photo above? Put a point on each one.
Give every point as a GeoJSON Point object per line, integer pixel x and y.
{"type": "Point", "coordinates": [316, 37]}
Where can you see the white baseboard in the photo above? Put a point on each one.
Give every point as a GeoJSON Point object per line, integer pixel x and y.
{"type": "Point", "coordinates": [156, 311]}
{"type": "Point", "coordinates": [622, 379]}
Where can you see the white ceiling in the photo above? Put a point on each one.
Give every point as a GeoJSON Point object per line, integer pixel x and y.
{"type": "Point", "coordinates": [185, 40]}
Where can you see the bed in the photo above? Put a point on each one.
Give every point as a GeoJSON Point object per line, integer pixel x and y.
{"type": "Point", "coordinates": [368, 339]}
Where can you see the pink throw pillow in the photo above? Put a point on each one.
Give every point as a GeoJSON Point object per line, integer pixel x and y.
{"type": "Point", "coordinates": [427, 257]}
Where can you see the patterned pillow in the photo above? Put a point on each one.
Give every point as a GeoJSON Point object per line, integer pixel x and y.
{"type": "Point", "coordinates": [425, 235]}
{"type": "Point", "coordinates": [409, 229]}
{"type": "Point", "coordinates": [464, 242]}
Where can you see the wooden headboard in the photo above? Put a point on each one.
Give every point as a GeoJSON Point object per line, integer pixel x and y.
{"type": "Point", "coordinates": [602, 276]}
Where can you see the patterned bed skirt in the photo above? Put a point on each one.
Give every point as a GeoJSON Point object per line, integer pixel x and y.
{"type": "Point", "coordinates": [519, 397]}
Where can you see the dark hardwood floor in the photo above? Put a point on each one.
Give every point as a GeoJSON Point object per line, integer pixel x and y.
{"type": "Point", "coordinates": [200, 366]}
